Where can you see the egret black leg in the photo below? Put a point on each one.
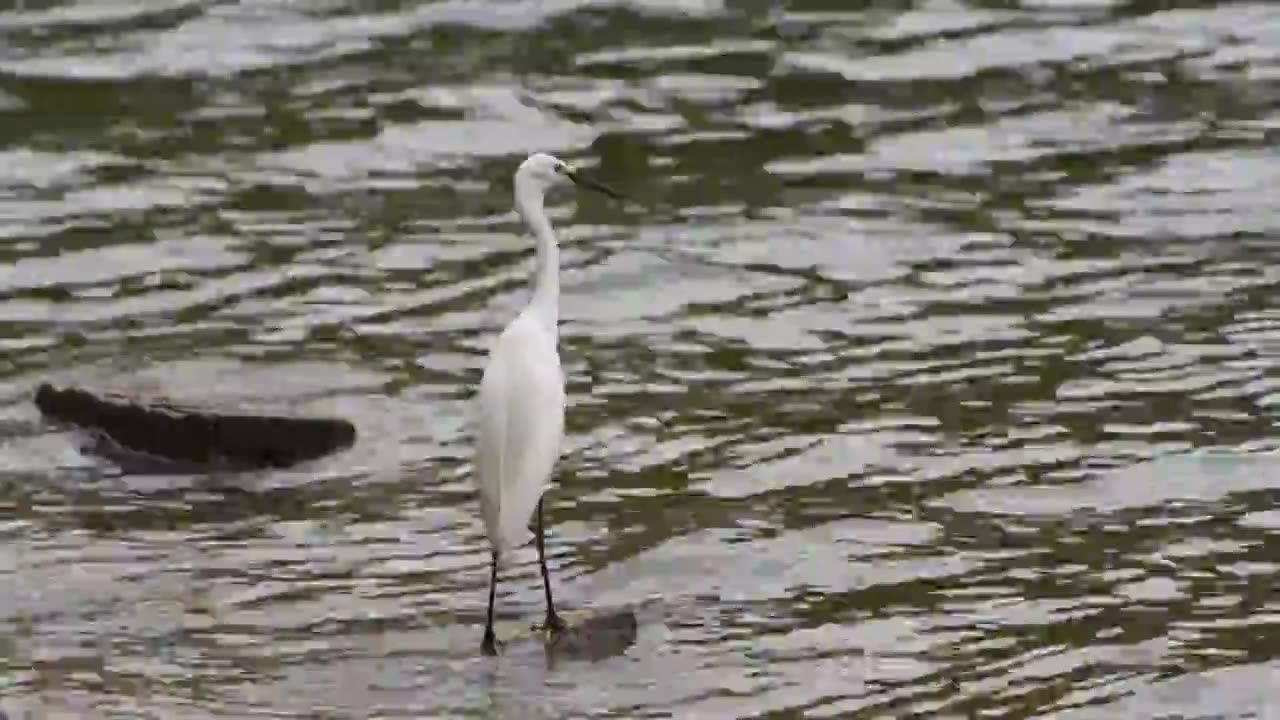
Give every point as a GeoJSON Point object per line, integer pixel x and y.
{"type": "Point", "coordinates": [554, 623]}
{"type": "Point", "coordinates": [490, 644]}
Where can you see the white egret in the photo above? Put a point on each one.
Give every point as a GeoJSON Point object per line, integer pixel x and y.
{"type": "Point", "coordinates": [520, 404]}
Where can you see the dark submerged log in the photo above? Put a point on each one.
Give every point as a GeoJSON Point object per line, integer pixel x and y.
{"type": "Point", "coordinates": [196, 436]}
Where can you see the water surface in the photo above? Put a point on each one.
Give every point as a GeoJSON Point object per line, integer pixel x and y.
{"type": "Point", "coordinates": [930, 372]}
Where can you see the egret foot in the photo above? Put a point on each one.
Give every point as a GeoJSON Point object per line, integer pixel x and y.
{"type": "Point", "coordinates": [489, 646]}
{"type": "Point", "coordinates": [554, 625]}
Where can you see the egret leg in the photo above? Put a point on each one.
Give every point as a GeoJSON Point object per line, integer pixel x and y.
{"type": "Point", "coordinates": [490, 645]}
{"type": "Point", "coordinates": [554, 623]}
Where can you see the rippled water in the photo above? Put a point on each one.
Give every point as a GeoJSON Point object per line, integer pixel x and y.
{"type": "Point", "coordinates": [931, 372]}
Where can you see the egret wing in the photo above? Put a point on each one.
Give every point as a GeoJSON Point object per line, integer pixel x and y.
{"type": "Point", "coordinates": [521, 424]}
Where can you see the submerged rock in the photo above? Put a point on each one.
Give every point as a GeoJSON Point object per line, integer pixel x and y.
{"type": "Point", "coordinates": [595, 637]}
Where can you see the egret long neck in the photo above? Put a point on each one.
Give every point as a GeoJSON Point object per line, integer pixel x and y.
{"type": "Point", "coordinates": [546, 279]}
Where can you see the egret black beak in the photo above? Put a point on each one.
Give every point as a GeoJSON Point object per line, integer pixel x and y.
{"type": "Point", "coordinates": [584, 181]}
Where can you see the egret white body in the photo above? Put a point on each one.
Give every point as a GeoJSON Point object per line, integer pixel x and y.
{"type": "Point", "coordinates": [521, 423]}
{"type": "Point", "coordinates": [521, 401]}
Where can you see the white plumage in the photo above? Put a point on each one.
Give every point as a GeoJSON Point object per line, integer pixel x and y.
{"type": "Point", "coordinates": [520, 404]}
{"type": "Point", "coordinates": [521, 424]}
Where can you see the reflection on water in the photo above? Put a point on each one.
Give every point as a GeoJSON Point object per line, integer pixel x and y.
{"type": "Point", "coordinates": [930, 372]}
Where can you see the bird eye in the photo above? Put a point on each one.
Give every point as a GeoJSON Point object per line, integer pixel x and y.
{"type": "Point", "coordinates": [562, 169]}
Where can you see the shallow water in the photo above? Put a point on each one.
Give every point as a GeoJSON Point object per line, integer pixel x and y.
{"type": "Point", "coordinates": [930, 371]}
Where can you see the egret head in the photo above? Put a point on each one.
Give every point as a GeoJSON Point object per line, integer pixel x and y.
{"type": "Point", "coordinates": [539, 173]}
